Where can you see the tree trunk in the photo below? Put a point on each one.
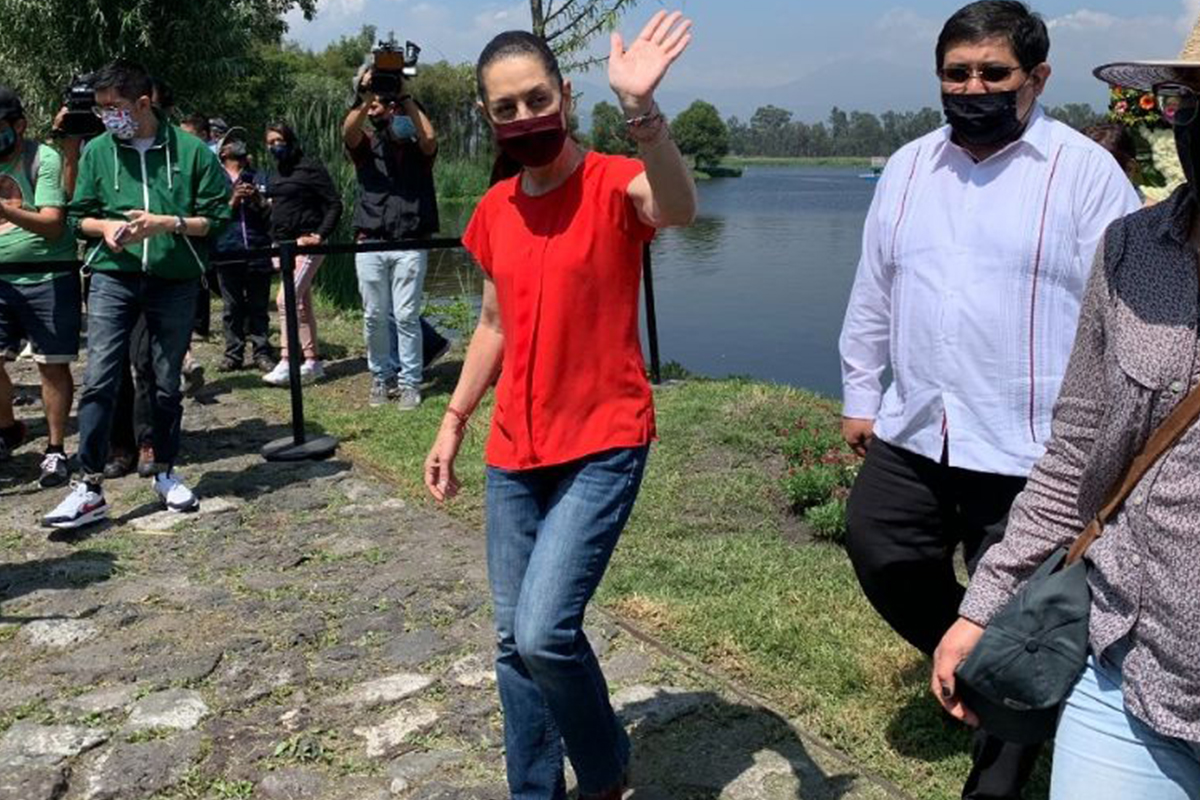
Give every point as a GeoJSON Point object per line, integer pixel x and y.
{"type": "Point", "coordinates": [538, 14]}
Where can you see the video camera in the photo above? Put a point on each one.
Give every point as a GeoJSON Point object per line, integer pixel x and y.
{"type": "Point", "coordinates": [79, 99]}
{"type": "Point", "coordinates": [391, 65]}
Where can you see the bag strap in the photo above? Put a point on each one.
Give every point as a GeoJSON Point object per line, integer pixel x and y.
{"type": "Point", "coordinates": [1182, 417]}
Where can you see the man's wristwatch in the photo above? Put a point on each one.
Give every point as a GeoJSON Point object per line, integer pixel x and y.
{"type": "Point", "coordinates": [180, 225]}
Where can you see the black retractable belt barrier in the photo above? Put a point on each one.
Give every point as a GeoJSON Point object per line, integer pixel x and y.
{"type": "Point", "coordinates": [300, 446]}
{"type": "Point", "coordinates": [651, 314]}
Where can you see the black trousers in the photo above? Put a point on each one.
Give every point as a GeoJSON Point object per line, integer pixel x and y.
{"type": "Point", "coordinates": [246, 293]}
{"type": "Point", "coordinates": [906, 517]}
{"type": "Point", "coordinates": [133, 422]}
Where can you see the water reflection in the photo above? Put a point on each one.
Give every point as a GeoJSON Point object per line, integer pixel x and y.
{"type": "Point", "coordinates": [698, 247]}
{"type": "Point", "coordinates": [757, 286]}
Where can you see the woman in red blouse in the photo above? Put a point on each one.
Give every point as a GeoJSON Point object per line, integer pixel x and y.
{"type": "Point", "coordinates": [560, 244]}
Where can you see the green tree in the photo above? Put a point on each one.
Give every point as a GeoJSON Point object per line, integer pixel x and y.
{"type": "Point", "coordinates": [701, 133]}
{"type": "Point", "coordinates": [200, 47]}
{"type": "Point", "coordinates": [770, 131]}
{"type": "Point", "coordinates": [608, 130]}
{"type": "Point", "coordinates": [569, 26]}
{"type": "Point", "coordinates": [1077, 115]}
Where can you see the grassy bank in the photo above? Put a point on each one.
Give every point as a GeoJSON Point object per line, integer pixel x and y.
{"type": "Point", "coordinates": [763, 161]}
{"type": "Point", "coordinates": [715, 561]}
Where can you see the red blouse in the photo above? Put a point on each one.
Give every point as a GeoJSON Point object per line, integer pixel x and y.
{"type": "Point", "coordinates": [567, 270]}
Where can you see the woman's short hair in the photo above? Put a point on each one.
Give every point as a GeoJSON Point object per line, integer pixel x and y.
{"type": "Point", "coordinates": [1116, 139]}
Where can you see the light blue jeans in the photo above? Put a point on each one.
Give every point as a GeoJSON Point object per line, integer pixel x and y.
{"type": "Point", "coordinates": [1102, 752]}
{"type": "Point", "coordinates": [391, 286]}
{"type": "Point", "coordinates": [550, 534]}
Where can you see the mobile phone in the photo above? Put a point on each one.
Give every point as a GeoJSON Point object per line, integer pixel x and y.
{"type": "Point", "coordinates": [122, 234]}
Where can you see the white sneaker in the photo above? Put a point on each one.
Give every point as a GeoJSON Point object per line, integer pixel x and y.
{"type": "Point", "coordinates": [311, 372]}
{"type": "Point", "coordinates": [82, 507]}
{"type": "Point", "coordinates": [174, 494]}
{"type": "Point", "coordinates": [279, 375]}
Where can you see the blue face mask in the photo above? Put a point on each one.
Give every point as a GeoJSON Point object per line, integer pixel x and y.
{"type": "Point", "coordinates": [404, 129]}
{"type": "Point", "coordinates": [8, 142]}
{"type": "Point", "coordinates": [281, 151]}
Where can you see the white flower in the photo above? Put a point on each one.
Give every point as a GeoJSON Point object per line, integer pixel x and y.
{"type": "Point", "coordinates": [1166, 161]}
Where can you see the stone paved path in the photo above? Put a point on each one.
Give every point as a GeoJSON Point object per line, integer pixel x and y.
{"type": "Point", "coordinates": [309, 634]}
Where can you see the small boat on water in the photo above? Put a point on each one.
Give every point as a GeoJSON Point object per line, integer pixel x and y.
{"type": "Point", "coordinates": [877, 165]}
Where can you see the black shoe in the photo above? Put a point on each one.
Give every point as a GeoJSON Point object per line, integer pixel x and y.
{"type": "Point", "coordinates": [193, 380]}
{"type": "Point", "coordinates": [56, 471]}
{"type": "Point", "coordinates": [439, 350]}
{"type": "Point", "coordinates": [11, 439]}
{"type": "Point", "coordinates": [264, 362]}
{"type": "Point", "coordinates": [231, 364]}
{"type": "Point", "coordinates": [118, 466]}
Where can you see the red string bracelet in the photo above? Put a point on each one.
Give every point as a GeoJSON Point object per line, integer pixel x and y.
{"type": "Point", "coordinates": [463, 419]}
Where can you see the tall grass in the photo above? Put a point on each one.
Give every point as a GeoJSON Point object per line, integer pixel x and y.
{"type": "Point", "coordinates": [318, 122]}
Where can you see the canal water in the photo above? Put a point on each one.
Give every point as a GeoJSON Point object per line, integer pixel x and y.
{"type": "Point", "coordinates": [756, 287]}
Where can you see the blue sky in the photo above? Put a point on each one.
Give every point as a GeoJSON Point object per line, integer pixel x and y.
{"type": "Point", "coordinates": [807, 55]}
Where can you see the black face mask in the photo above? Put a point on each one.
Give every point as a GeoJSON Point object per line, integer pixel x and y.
{"type": "Point", "coordinates": [381, 123]}
{"type": "Point", "coordinates": [984, 120]}
{"type": "Point", "coordinates": [1187, 142]}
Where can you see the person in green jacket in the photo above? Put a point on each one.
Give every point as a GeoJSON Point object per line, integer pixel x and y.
{"type": "Point", "coordinates": [147, 196]}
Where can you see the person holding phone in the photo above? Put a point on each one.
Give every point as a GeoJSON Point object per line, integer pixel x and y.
{"type": "Point", "coordinates": [245, 282]}
{"type": "Point", "coordinates": [147, 197]}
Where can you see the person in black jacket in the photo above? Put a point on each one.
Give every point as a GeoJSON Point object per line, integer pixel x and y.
{"type": "Point", "coordinates": [305, 208]}
{"type": "Point", "coordinates": [245, 283]}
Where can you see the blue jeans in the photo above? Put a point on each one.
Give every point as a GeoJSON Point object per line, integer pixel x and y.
{"type": "Point", "coordinates": [1102, 752]}
{"type": "Point", "coordinates": [550, 534]}
{"type": "Point", "coordinates": [391, 285]}
{"type": "Point", "coordinates": [115, 302]}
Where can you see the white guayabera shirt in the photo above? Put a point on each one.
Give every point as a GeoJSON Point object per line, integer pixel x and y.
{"type": "Point", "coordinates": [969, 288]}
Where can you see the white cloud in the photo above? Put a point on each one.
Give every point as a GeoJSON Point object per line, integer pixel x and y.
{"type": "Point", "coordinates": [1084, 20]}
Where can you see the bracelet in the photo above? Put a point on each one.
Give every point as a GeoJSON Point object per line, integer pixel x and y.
{"type": "Point", "coordinates": [463, 419]}
{"type": "Point", "coordinates": [650, 117]}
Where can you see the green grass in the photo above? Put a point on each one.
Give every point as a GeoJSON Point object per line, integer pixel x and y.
{"type": "Point", "coordinates": [714, 562]}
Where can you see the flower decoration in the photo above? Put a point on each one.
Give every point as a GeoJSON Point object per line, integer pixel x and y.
{"type": "Point", "coordinates": [1139, 111]}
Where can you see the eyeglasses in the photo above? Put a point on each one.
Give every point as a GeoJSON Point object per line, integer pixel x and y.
{"type": "Point", "coordinates": [1180, 105]}
{"type": "Point", "coordinates": [988, 73]}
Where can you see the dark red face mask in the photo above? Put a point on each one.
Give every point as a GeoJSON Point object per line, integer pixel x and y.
{"type": "Point", "coordinates": [533, 142]}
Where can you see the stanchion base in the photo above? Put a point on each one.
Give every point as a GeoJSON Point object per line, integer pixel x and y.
{"type": "Point", "coordinates": [317, 448]}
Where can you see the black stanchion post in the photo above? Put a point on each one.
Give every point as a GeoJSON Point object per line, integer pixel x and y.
{"type": "Point", "coordinates": [297, 447]}
{"type": "Point", "coordinates": [651, 315]}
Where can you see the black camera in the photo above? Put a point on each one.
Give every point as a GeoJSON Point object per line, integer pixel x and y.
{"type": "Point", "coordinates": [391, 65]}
{"type": "Point", "coordinates": [80, 99]}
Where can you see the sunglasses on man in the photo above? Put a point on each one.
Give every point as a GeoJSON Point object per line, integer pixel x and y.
{"type": "Point", "coordinates": [988, 73]}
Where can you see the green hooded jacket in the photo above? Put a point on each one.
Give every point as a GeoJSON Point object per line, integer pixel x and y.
{"type": "Point", "coordinates": [177, 176]}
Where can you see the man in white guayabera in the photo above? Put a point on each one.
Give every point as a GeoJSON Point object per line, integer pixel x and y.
{"type": "Point", "coordinates": [975, 255]}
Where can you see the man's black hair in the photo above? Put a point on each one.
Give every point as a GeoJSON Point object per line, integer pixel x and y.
{"type": "Point", "coordinates": [1010, 20]}
{"type": "Point", "coordinates": [128, 79]}
{"type": "Point", "coordinates": [198, 123]}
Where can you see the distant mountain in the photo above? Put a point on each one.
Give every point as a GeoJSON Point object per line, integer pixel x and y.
{"type": "Point", "coordinates": [850, 84]}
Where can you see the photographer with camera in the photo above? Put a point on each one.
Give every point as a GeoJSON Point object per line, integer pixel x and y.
{"type": "Point", "coordinates": [147, 190]}
{"type": "Point", "coordinates": [245, 284]}
{"type": "Point", "coordinates": [393, 162]}
{"type": "Point", "coordinates": [41, 307]}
